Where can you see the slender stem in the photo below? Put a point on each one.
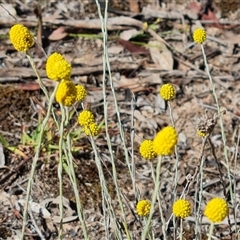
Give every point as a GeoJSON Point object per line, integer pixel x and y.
{"type": "Point", "coordinates": [181, 229]}
{"type": "Point", "coordinates": [35, 159]}
{"type": "Point", "coordinates": [154, 198]}
{"type": "Point", "coordinates": [163, 220]}
{"type": "Point", "coordinates": [60, 169]}
{"type": "Point", "coordinates": [73, 179]}
{"type": "Point", "coordinates": [210, 231]}
{"type": "Point", "coordinates": [175, 166]}
{"type": "Point", "coordinates": [38, 76]}
{"type": "Point", "coordinates": [221, 121]}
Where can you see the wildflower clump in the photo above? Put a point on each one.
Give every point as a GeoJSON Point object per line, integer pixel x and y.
{"type": "Point", "coordinates": [143, 208]}
{"type": "Point", "coordinates": [57, 67]}
{"type": "Point", "coordinates": [85, 118]}
{"type": "Point", "coordinates": [216, 210]}
{"type": "Point", "coordinates": [66, 93]}
{"type": "Point", "coordinates": [146, 150]}
{"type": "Point", "coordinates": [21, 38]}
{"type": "Point", "coordinates": [167, 92]}
{"type": "Point", "coordinates": [81, 92]}
{"type": "Point", "coordinates": [165, 141]}
{"type": "Point", "coordinates": [91, 129]}
{"type": "Point", "coordinates": [181, 208]}
{"type": "Point", "coordinates": [199, 35]}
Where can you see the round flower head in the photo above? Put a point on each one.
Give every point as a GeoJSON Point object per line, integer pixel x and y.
{"type": "Point", "coordinates": [181, 208]}
{"type": "Point", "coordinates": [146, 150]}
{"type": "Point", "coordinates": [216, 210]}
{"type": "Point", "coordinates": [165, 141]}
{"type": "Point", "coordinates": [57, 67]}
{"type": "Point", "coordinates": [66, 93]}
{"type": "Point", "coordinates": [81, 92]}
{"type": "Point", "coordinates": [85, 118]}
{"type": "Point", "coordinates": [167, 92]}
{"type": "Point", "coordinates": [199, 35]}
{"type": "Point", "coordinates": [21, 38]}
{"type": "Point", "coordinates": [92, 129]}
{"type": "Point", "coordinates": [143, 208]}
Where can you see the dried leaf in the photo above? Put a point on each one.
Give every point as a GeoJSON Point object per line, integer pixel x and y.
{"type": "Point", "coordinates": [160, 54]}
{"type": "Point", "coordinates": [211, 16]}
{"type": "Point", "coordinates": [58, 34]}
{"type": "Point", "coordinates": [128, 34]}
{"type": "Point", "coordinates": [133, 48]}
{"type": "Point", "coordinates": [160, 103]}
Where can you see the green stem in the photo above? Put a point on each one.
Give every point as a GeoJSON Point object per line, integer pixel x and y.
{"type": "Point", "coordinates": [38, 76]}
{"type": "Point", "coordinates": [181, 229]}
{"type": "Point", "coordinates": [73, 179]}
{"type": "Point", "coordinates": [35, 159]}
{"type": "Point", "coordinates": [154, 198]}
{"type": "Point", "coordinates": [210, 231]}
{"type": "Point", "coordinates": [60, 169]}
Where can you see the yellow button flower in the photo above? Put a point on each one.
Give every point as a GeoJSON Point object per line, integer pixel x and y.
{"type": "Point", "coordinates": [216, 210]}
{"type": "Point", "coordinates": [92, 129]}
{"type": "Point", "coordinates": [146, 150]}
{"type": "Point", "coordinates": [181, 208]}
{"type": "Point", "coordinates": [81, 92]}
{"type": "Point", "coordinates": [57, 67]}
{"type": "Point", "coordinates": [167, 92]}
{"type": "Point", "coordinates": [165, 141]}
{"type": "Point", "coordinates": [199, 35]}
{"type": "Point", "coordinates": [21, 38]}
{"type": "Point", "coordinates": [143, 208]}
{"type": "Point", "coordinates": [66, 93]}
{"type": "Point", "coordinates": [85, 118]}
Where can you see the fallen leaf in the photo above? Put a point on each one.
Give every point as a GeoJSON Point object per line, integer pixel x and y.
{"type": "Point", "coordinates": [160, 54]}
{"type": "Point", "coordinates": [58, 34]}
{"type": "Point", "coordinates": [211, 16]}
{"type": "Point", "coordinates": [128, 34]}
{"type": "Point", "coordinates": [133, 48]}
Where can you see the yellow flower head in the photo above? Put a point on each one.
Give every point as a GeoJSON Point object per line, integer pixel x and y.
{"type": "Point", "coordinates": [201, 134]}
{"type": "Point", "coordinates": [165, 141]}
{"type": "Point", "coordinates": [21, 38]}
{"type": "Point", "coordinates": [181, 208]}
{"type": "Point", "coordinates": [81, 92]}
{"type": "Point", "coordinates": [92, 129]}
{"type": "Point", "coordinates": [85, 118]}
{"type": "Point", "coordinates": [216, 210]}
{"type": "Point", "coordinates": [146, 150]}
{"type": "Point", "coordinates": [199, 35]}
{"type": "Point", "coordinates": [66, 93]}
{"type": "Point", "coordinates": [143, 208]}
{"type": "Point", "coordinates": [57, 67]}
{"type": "Point", "coordinates": [167, 92]}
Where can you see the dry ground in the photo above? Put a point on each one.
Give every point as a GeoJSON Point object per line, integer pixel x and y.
{"type": "Point", "coordinates": [141, 62]}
